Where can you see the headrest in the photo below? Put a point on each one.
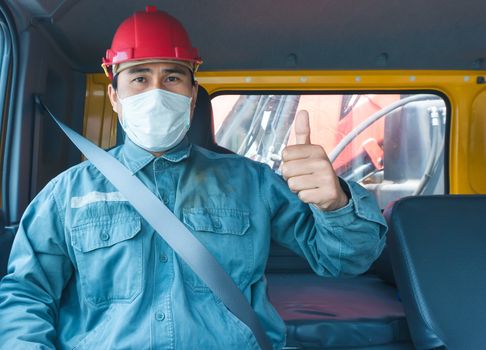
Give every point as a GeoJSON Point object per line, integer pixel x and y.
{"type": "Point", "coordinates": [201, 131]}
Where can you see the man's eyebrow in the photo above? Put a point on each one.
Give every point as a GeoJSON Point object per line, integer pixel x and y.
{"type": "Point", "coordinates": [172, 70]}
{"type": "Point", "coordinates": [136, 70]}
{"type": "Point", "coordinates": [176, 70]}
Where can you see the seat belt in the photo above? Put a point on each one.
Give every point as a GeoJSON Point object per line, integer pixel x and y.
{"type": "Point", "coordinates": [169, 227]}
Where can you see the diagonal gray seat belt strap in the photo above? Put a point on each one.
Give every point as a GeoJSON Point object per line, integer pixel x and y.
{"type": "Point", "coordinates": [171, 229]}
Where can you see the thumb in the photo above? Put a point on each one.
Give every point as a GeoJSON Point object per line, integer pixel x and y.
{"type": "Point", "coordinates": [302, 128]}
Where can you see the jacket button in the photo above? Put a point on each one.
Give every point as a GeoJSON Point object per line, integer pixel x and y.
{"type": "Point", "coordinates": [165, 199]}
{"type": "Point", "coordinates": [217, 224]}
{"type": "Point", "coordinates": [159, 316]}
{"type": "Point", "coordinates": [104, 236]}
{"type": "Point", "coordinates": [163, 258]}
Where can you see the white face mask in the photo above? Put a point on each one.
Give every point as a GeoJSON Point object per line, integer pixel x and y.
{"type": "Point", "coordinates": [156, 120]}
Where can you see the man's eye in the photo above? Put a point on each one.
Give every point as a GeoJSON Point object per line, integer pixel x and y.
{"type": "Point", "coordinates": [139, 80]}
{"type": "Point", "coordinates": [172, 79]}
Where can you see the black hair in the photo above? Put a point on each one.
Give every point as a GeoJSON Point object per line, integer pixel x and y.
{"type": "Point", "coordinates": [114, 82]}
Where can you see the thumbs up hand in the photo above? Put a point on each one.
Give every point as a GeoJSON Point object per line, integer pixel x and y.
{"type": "Point", "coordinates": [308, 171]}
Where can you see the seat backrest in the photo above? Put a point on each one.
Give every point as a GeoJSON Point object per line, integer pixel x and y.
{"type": "Point", "coordinates": [438, 251]}
{"type": "Point", "coordinates": [201, 131]}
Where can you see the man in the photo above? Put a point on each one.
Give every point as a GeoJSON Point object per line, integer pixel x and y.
{"type": "Point", "coordinates": [87, 272]}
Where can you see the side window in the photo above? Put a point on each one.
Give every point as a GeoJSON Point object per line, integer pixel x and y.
{"type": "Point", "coordinates": [6, 69]}
{"type": "Point", "coordinates": [392, 144]}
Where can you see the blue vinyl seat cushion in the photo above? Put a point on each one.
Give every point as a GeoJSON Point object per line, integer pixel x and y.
{"type": "Point", "coordinates": [337, 312]}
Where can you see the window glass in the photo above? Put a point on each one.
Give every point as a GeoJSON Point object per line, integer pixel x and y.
{"type": "Point", "coordinates": [5, 67]}
{"type": "Point", "coordinates": [392, 144]}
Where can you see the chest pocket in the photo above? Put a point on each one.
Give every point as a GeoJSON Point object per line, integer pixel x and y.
{"type": "Point", "coordinates": [109, 256]}
{"type": "Point", "coordinates": [226, 234]}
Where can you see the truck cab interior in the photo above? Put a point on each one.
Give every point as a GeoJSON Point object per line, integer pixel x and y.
{"type": "Point", "coordinates": [397, 96]}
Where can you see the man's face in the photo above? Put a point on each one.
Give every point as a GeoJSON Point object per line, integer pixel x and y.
{"type": "Point", "coordinates": [144, 77]}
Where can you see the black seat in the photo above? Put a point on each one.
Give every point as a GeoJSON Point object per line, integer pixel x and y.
{"type": "Point", "coordinates": [438, 250]}
{"type": "Point", "coordinates": [201, 131]}
{"type": "Point", "coordinates": [338, 312]}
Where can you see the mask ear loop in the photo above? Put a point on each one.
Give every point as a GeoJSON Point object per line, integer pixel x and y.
{"type": "Point", "coordinates": [120, 118]}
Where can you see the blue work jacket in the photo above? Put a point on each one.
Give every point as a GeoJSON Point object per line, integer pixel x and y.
{"type": "Point", "coordinates": [87, 272]}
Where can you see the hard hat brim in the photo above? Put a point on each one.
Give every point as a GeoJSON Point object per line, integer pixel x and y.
{"type": "Point", "coordinates": [117, 68]}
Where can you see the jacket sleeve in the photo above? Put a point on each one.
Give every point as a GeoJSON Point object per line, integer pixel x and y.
{"type": "Point", "coordinates": [38, 270]}
{"type": "Point", "coordinates": [341, 242]}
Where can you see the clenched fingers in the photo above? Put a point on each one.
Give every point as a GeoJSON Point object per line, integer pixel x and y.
{"type": "Point", "coordinates": [305, 166]}
{"type": "Point", "coordinates": [303, 151]}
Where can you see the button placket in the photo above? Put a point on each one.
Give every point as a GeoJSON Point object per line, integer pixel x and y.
{"type": "Point", "coordinates": [163, 181]}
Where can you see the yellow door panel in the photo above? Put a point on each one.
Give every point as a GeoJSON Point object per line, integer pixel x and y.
{"type": "Point", "coordinates": [477, 144]}
{"type": "Point", "coordinates": [100, 120]}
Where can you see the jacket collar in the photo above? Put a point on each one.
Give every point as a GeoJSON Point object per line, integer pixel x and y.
{"type": "Point", "coordinates": [135, 158]}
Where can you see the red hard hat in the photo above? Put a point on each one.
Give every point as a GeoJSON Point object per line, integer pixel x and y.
{"type": "Point", "coordinates": [150, 35]}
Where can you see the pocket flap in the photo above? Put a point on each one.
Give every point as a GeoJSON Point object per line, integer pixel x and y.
{"type": "Point", "coordinates": [105, 233]}
{"type": "Point", "coordinates": [223, 221]}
